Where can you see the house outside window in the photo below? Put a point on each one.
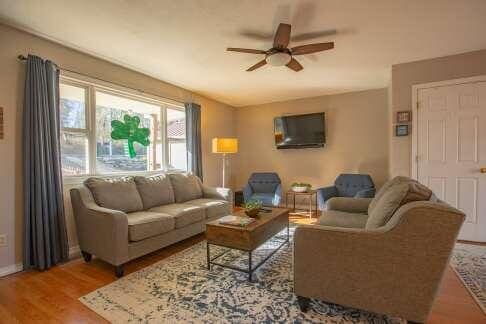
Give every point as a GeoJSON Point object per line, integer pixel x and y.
{"type": "Point", "coordinates": [87, 110]}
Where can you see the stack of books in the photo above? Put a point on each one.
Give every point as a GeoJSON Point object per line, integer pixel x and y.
{"type": "Point", "coordinates": [236, 220]}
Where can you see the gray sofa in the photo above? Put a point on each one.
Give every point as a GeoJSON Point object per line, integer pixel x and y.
{"type": "Point", "coordinates": [121, 219]}
{"type": "Point", "coordinates": [385, 255]}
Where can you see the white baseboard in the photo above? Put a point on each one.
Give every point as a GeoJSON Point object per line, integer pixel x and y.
{"type": "Point", "coordinates": [13, 268]}
{"type": "Point", "coordinates": [74, 252]}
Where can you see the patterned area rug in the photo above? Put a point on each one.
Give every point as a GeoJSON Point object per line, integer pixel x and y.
{"type": "Point", "coordinates": [469, 262]}
{"type": "Point", "coordinates": [181, 289]}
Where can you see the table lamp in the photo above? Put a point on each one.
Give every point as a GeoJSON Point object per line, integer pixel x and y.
{"type": "Point", "coordinates": [225, 146]}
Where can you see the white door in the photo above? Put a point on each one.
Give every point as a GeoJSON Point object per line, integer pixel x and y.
{"type": "Point", "coordinates": [451, 147]}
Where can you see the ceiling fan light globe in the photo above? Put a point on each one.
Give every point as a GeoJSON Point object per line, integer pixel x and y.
{"type": "Point", "coordinates": [279, 59]}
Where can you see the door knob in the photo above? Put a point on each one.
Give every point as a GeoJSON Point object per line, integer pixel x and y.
{"type": "Point", "coordinates": [482, 170]}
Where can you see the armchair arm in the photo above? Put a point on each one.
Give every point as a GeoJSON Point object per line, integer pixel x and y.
{"type": "Point", "coordinates": [278, 196]}
{"type": "Point", "coordinates": [217, 193]}
{"type": "Point", "coordinates": [323, 194]}
{"type": "Point", "coordinates": [402, 262]}
{"type": "Point", "coordinates": [350, 205]}
{"type": "Point", "coordinates": [101, 231]}
{"type": "Point", "coordinates": [365, 193]}
{"type": "Point", "coordinates": [247, 192]}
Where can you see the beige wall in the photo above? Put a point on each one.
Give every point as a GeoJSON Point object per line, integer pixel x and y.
{"type": "Point", "coordinates": [217, 120]}
{"type": "Point", "coordinates": [356, 135]}
{"type": "Point", "coordinates": [407, 74]}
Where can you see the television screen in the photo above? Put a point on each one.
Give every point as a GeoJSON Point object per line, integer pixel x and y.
{"type": "Point", "coordinates": [300, 131]}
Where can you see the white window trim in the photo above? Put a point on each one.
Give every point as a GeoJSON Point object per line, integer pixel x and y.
{"type": "Point", "coordinates": [91, 86]}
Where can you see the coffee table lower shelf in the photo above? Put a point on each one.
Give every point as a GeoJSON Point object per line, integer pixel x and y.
{"type": "Point", "coordinates": [250, 269]}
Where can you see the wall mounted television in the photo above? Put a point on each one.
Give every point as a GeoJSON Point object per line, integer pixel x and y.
{"type": "Point", "coordinates": [300, 131]}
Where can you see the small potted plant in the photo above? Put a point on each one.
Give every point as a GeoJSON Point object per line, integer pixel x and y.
{"type": "Point", "coordinates": [300, 187]}
{"type": "Point", "coordinates": [252, 208]}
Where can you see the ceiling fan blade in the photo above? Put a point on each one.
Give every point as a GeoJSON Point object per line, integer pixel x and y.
{"type": "Point", "coordinates": [257, 35]}
{"type": "Point", "coordinates": [311, 48]}
{"type": "Point", "coordinates": [258, 65]}
{"type": "Point", "coordinates": [282, 36]}
{"type": "Point", "coordinates": [313, 35]}
{"type": "Point", "coordinates": [294, 65]}
{"type": "Point", "coordinates": [245, 50]}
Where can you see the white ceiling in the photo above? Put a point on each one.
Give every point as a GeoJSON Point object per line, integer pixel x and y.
{"type": "Point", "coordinates": [183, 42]}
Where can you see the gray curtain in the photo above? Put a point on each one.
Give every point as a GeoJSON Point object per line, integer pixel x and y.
{"type": "Point", "coordinates": [45, 238]}
{"type": "Point", "coordinates": [193, 138]}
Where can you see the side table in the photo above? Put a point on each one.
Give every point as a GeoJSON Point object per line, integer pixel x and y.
{"type": "Point", "coordinates": [310, 194]}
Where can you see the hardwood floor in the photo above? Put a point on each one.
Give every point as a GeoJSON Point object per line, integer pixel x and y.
{"type": "Point", "coordinates": [52, 296]}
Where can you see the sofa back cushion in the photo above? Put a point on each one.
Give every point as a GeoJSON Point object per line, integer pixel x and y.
{"type": "Point", "coordinates": [393, 198]}
{"type": "Point", "coordinates": [384, 188]}
{"type": "Point", "coordinates": [155, 190]}
{"type": "Point", "coordinates": [186, 187]}
{"type": "Point", "coordinates": [118, 193]}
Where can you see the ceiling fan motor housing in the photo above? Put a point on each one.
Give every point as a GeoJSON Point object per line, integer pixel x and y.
{"type": "Point", "coordinates": [279, 58]}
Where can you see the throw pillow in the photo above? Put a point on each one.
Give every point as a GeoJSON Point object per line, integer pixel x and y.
{"type": "Point", "coordinates": [396, 196]}
{"type": "Point", "coordinates": [384, 188]}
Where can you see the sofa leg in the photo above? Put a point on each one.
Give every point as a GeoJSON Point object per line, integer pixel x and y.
{"type": "Point", "coordinates": [119, 271]}
{"type": "Point", "coordinates": [86, 256]}
{"type": "Point", "coordinates": [303, 303]}
{"type": "Point", "coordinates": [412, 322]}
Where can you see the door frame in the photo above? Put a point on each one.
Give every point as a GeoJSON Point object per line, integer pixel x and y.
{"type": "Point", "coordinates": [415, 108]}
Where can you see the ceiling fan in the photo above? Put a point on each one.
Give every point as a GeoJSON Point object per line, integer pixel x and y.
{"type": "Point", "coordinates": [280, 54]}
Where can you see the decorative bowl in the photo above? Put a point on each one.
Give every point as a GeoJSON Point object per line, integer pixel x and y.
{"type": "Point", "coordinates": [252, 212]}
{"type": "Point", "coordinates": [300, 188]}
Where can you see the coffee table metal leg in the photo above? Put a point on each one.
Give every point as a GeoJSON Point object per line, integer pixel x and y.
{"type": "Point", "coordinates": [208, 256]}
{"type": "Point", "coordinates": [288, 232]}
{"type": "Point", "coordinates": [249, 266]}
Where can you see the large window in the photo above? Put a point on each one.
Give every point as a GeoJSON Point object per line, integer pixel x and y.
{"type": "Point", "coordinates": [87, 147]}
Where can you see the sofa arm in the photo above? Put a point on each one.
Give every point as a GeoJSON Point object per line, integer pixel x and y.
{"type": "Point", "coordinates": [324, 194]}
{"type": "Point", "coordinates": [217, 193]}
{"type": "Point", "coordinates": [350, 205]}
{"type": "Point", "coordinates": [247, 193]}
{"type": "Point", "coordinates": [365, 193]}
{"type": "Point", "coordinates": [101, 231]}
{"type": "Point", "coordinates": [278, 196]}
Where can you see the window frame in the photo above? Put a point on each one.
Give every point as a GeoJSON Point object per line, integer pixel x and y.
{"type": "Point", "coordinates": [91, 87]}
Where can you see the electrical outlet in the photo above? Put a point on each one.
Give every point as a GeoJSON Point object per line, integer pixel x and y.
{"type": "Point", "coordinates": [3, 240]}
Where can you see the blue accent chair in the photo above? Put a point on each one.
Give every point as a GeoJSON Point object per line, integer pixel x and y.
{"type": "Point", "coordinates": [347, 185]}
{"type": "Point", "coordinates": [265, 187]}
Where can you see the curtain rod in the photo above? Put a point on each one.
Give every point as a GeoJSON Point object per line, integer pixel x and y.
{"type": "Point", "coordinates": [24, 58]}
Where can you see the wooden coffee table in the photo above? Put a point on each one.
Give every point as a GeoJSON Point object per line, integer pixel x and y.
{"type": "Point", "coordinates": [247, 238]}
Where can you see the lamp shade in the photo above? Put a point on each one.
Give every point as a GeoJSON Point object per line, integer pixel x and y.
{"type": "Point", "coordinates": [225, 145]}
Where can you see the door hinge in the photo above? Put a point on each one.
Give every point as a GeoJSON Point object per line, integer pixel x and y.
{"type": "Point", "coordinates": [418, 105]}
{"type": "Point", "coordinates": [416, 158]}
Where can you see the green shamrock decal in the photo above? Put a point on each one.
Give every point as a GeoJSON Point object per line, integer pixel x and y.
{"type": "Point", "coordinates": [130, 131]}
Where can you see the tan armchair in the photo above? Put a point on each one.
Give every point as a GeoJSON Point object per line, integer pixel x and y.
{"type": "Point", "coordinates": [395, 269]}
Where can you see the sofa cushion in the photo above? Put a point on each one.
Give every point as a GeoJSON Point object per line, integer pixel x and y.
{"type": "Point", "coordinates": [393, 198]}
{"type": "Point", "coordinates": [265, 198]}
{"type": "Point", "coordinates": [212, 207]}
{"type": "Point", "coordinates": [186, 187]}
{"type": "Point", "coordinates": [384, 188]}
{"type": "Point", "coordinates": [184, 214]}
{"type": "Point", "coordinates": [118, 193]}
{"type": "Point", "coordinates": [144, 224]}
{"type": "Point", "coordinates": [342, 219]}
{"type": "Point", "coordinates": [155, 190]}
